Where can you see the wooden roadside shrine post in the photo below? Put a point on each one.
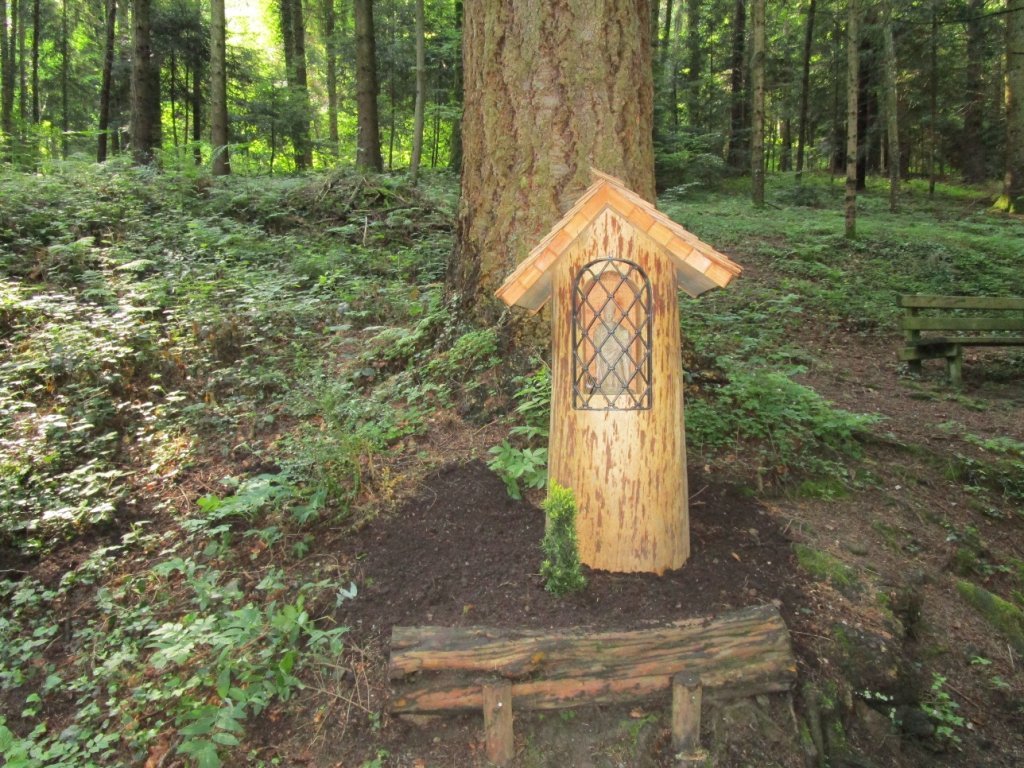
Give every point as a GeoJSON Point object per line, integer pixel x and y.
{"type": "Point", "coordinates": [612, 267]}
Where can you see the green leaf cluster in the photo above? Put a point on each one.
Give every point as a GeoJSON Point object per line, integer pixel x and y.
{"type": "Point", "coordinates": [561, 568]}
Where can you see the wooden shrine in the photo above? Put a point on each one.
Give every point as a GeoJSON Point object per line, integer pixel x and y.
{"type": "Point", "coordinates": [612, 267]}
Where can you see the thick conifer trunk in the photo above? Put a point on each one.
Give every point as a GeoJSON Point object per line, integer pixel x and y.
{"type": "Point", "coordinates": [368, 130]}
{"type": "Point", "coordinates": [1013, 181]}
{"type": "Point", "coordinates": [738, 125]}
{"type": "Point", "coordinates": [551, 89]}
{"type": "Point", "coordinates": [145, 122]}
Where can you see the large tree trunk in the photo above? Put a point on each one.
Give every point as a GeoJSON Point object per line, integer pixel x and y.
{"type": "Point", "coordinates": [421, 94]}
{"type": "Point", "coordinates": [1013, 181]}
{"type": "Point", "coordinates": [551, 89]}
{"type": "Point", "coordinates": [891, 110]}
{"type": "Point", "coordinates": [304, 147]}
{"type": "Point", "coordinates": [218, 90]}
{"type": "Point", "coordinates": [852, 80]}
{"type": "Point", "coordinates": [145, 122]}
{"type": "Point", "coordinates": [738, 124]}
{"type": "Point", "coordinates": [757, 124]}
{"type": "Point", "coordinates": [108, 68]}
{"type": "Point", "coordinates": [805, 89]}
{"type": "Point", "coordinates": [331, 50]}
{"type": "Point", "coordinates": [972, 148]}
{"type": "Point", "coordinates": [368, 131]}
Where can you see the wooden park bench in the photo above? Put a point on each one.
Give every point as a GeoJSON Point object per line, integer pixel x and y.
{"type": "Point", "coordinates": [960, 321]}
{"type": "Point", "coordinates": [441, 670]}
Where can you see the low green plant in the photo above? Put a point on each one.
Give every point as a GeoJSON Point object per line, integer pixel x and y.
{"type": "Point", "coordinates": [826, 567]}
{"type": "Point", "coordinates": [943, 711]}
{"type": "Point", "coordinates": [561, 569]}
{"type": "Point", "coordinates": [1001, 614]}
{"type": "Point", "coordinates": [522, 461]}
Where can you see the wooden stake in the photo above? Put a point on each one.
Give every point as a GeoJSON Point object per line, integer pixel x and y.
{"type": "Point", "coordinates": [686, 701]}
{"type": "Point", "coordinates": [497, 698]}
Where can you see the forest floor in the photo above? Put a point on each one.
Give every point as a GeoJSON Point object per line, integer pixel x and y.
{"type": "Point", "coordinates": [313, 471]}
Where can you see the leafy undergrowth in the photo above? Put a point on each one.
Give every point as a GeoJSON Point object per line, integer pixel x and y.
{"type": "Point", "coordinates": [205, 382]}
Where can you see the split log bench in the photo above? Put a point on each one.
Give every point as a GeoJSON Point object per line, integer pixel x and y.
{"type": "Point", "coordinates": [440, 670]}
{"type": "Point", "coordinates": [959, 319]}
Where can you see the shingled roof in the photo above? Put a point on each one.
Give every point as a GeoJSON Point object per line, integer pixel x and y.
{"type": "Point", "coordinates": [698, 266]}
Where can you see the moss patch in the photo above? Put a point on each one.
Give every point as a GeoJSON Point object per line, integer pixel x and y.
{"type": "Point", "coordinates": [1003, 615]}
{"type": "Point", "coordinates": [824, 567]}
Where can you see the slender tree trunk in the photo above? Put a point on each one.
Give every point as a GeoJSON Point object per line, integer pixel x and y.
{"type": "Point", "coordinates": [852, 80]}
{"type": "Point", "coordinates": [197, 115]}
{"type": "Point", "coordinates": [665, 66]}
{"type": "Point", "coordinates": [65, 76]}
{"type": "Point", "coordinates": [972, 148]}
{"type": "Point", "coordinates": [757, 125]}
{"type": "Point", "coordinates": [173, 75]}
{"type": "Point", "coordinates": [22, 78]}
{"type": "Point", "coordinates": [455, 149]}
{"type": "Point", "coordinates": [368, 130]}
{"type": "Point", "coordinates": [218, 90]}
{"type": "Point", "coordinates": [6, 76]}
{"type": "Point", "coordinates": [891, 110]}
{"type": "Point", "coordinates": [331, 46]}
{"type": "Point", "coordinates": [105, 84]}
{"type": "Point", "coordinates": [581, 71]}
{"type": "Point", "coordinates": [304, 148]}
{"type": "Point", "coordinates": [145, 124]}
{"type": "Point", "coordinates": [694, 113]}
{"type": "Point", "coordinates": [738, 125]}
{"type": "Point", "coordinates": [421, 94]}
{"type": "Point", "coordinates": [786, 140]}
{"type": "Point", "coordinates": [1013, 180]}
{"type": "Point", "coordinates": [805, 91]}
{"type": "Point", "coordinates": [867, 106]}
{"type": "Point", "coordinates": [35, 62]}
{"type": "Point", "coordinates": [933, 101]}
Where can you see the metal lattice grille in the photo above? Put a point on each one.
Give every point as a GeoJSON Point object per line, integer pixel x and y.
{"type": "Point", "coordinates": [611, 335]}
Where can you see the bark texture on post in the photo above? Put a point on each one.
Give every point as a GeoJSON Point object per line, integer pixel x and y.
{"type": "Point", "coordinates": [368, 130]}
{"type": "Point", "coordinates": [1013, 181]}
{"type": "Point", "coordinates": [551, 89]}
{"type": "Point", "coordinates": [218, 91]}
{"type": "Point", "coordinates": [852, 76]}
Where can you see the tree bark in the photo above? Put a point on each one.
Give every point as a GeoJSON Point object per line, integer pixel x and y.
{"type": "Point", "coordinates": [6, 76]}
{"type": "Point", "coordinates": [584, 75]}
{"type": "Point", "coordinates": [852, 80]}
{"type": "Point", "coordinates": [145, 118]}
{"type": "Point", "coordinates": [304, 145]}
{"type": "Point", "coordinates": [1013, 181]}
{"type": "Point", "coordinates": [737, 125]}
{"type": "Point", "coordinates": [421, 94]}
{"type": "Point", "coordinates": [218, 90]}
{"type": "Point", "coordinates": [35, 61]}
{"type": "Point", "coordinates": [933, 101]}
{"type": "Point", "coordinates": [108, 68]}
{"type": "Point", "coordinates": [805, 91]}
{"type": "Point", "coordinates": [694, 59]}
{"type": "Point", "coordinates": [22, 79]}
{"type": "Point", "coordinates": [65, 75]}
{"type": "Point", "coordinates": [331, 50]}
{"type": "Point", "coordinates": [891, 110]}
{"type": "Point", "coordinates": [368, 129]}
{"type": "Point", "coordinates": [455, 149]}
{"type": "Point", "coordinates": [972, 148]}
{"type": "Point", "coordinates": [757, 124]}
{"type": "Point", "coordinates": [197, 115]}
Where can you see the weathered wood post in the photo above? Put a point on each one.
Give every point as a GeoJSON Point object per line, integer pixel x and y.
{"type": "Point", "coordinates": [612, 266]}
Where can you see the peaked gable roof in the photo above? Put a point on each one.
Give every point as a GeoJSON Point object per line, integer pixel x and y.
{"type": "Point", "coordinates": [698, 266]}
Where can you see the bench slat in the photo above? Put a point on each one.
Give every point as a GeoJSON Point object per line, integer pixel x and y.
{"type": "Point", "coordinates": [961, 323]}
{"type": "Point", "coordinates": [742, 652]}
{"type": "Point", "coordinates": [963, 302]}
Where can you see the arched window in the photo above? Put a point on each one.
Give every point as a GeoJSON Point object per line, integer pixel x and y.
{"type": "Point", "coordinates": [611, 334]}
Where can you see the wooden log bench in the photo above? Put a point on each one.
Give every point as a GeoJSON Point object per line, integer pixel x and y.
{"type": "Point", "coordinates": [440, 670]}
{"type": "Point", "coordinates": [961, 321]}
